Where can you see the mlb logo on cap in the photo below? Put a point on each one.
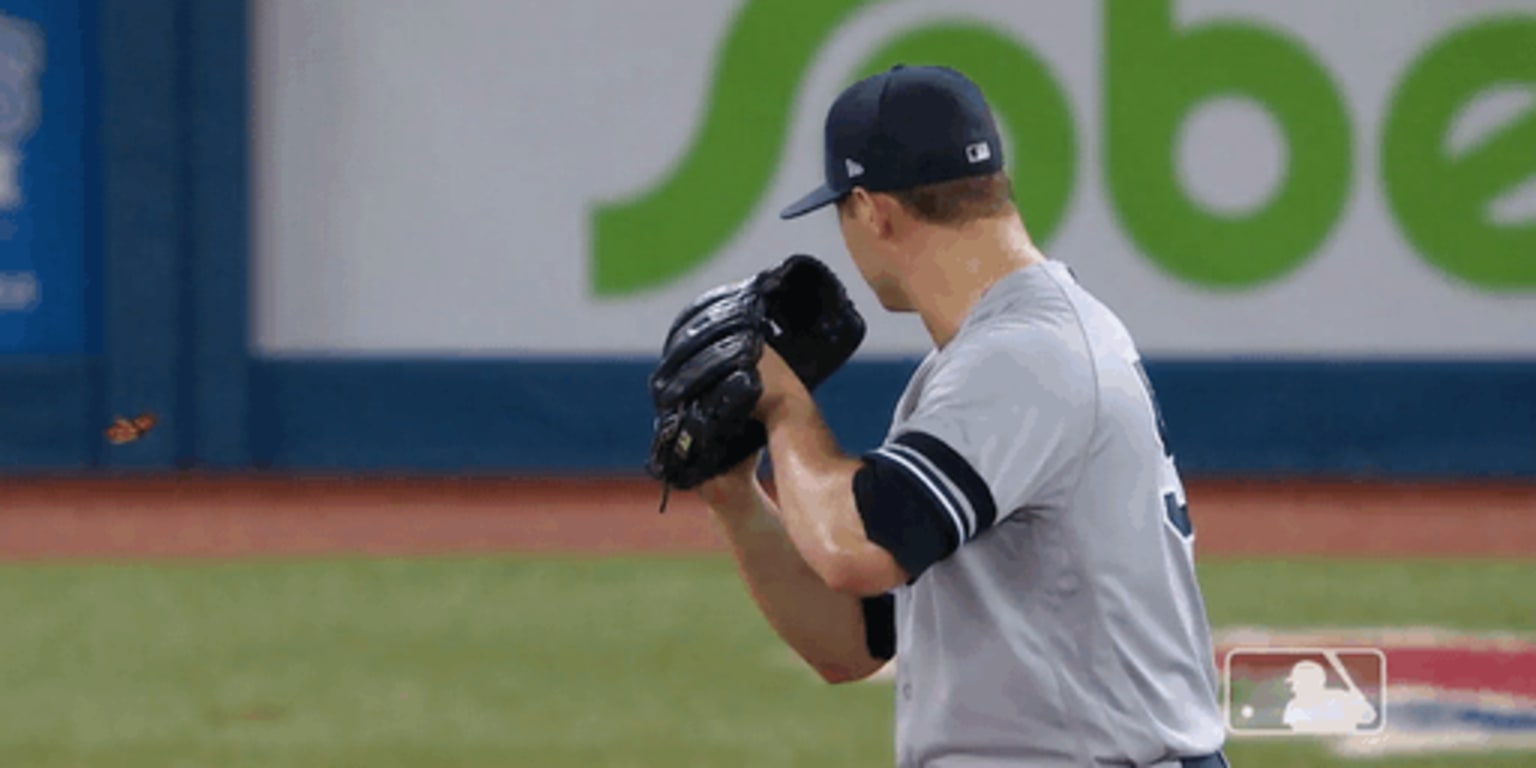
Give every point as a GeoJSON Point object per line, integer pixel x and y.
{"type": "Point", "coordinates": [908, 126]}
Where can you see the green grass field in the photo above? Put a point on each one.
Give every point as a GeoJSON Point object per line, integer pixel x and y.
{"type": "Point", "coordinates": [521, 661]}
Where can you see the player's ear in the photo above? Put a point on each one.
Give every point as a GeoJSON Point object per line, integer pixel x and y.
{"type": "Point", "coordinates": [860, 210]}
{"type": "Point", "coordinates": [876, 212]}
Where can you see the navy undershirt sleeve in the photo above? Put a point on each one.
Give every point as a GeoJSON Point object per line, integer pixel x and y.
{"type": "Point", "coordinates": [880, 625]}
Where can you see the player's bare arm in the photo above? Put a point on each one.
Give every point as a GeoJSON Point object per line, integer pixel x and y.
{"type": "Point", "coordinates": [706, 388]}
{"type": "Point", "coordinates": [825, 627]}
{"type": "Point", "coordinates": [815, 488]}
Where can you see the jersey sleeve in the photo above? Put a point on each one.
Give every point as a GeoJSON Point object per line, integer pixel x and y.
{"type": "Point", "coordinates": [993, 431]}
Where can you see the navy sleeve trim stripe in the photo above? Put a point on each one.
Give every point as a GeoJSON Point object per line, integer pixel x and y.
{"type": "Point", "coordinates": [934, 485]}
{"type": "Point", "coordinates": [880, 625]}
{"type": "Point", "coordinates": [902, 514]}
{"type": "Point", "coordinates": [931, 476]}
{"type": "Point", "coordinates": [953, 467]}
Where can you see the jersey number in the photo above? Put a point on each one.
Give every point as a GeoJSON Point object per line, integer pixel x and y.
{"type": "Point", "coordinates": [1178, 511]}
{"type": "Point", "coordinates": [1178, 514]}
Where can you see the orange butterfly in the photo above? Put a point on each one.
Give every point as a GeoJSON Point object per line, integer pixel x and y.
{"type": "Point", "coordinates": [128, 430]}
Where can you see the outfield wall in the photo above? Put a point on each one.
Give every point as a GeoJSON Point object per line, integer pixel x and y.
{"type": "Point", "coordinates": [382, 235]}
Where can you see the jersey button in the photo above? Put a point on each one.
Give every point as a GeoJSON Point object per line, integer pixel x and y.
{"type": "Point", "coordinates": [906, 690]}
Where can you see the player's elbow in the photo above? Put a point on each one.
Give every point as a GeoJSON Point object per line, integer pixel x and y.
{"type": "Point", "coordinates": [842, 672]}
{"type": "Point", "coordinates": [836, 674]}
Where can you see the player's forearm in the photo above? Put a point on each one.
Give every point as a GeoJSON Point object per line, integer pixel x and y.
{"type": "Point", "coordinates": [815, 488]}
{"type": "Point", "coordinates": [825, 627]}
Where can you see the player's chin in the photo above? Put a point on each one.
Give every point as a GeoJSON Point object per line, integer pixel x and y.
{"type": "Point", "coordinates": [891, 302]}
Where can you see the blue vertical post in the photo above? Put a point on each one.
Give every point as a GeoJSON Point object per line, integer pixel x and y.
{"type": "Point", "coordinates": [217, 55]}
{"type": "Point", "coordinates": [142, 225]}
{"type": "Point", "coordinates": [174, 141]}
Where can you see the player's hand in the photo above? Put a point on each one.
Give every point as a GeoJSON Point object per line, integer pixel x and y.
{"type": "Point", "coordinates": [706, 385]}
{"type": "Point", "coordinates": [783, 391]}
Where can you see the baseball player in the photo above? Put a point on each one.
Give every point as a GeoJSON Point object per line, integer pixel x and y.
{"type": "Point", "coordinates": [1019, 543]}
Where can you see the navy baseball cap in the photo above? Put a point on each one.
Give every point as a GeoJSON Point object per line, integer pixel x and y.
{"type": "Point", "coordinates": [901, 128]}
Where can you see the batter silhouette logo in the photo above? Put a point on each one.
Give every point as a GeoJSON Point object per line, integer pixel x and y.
{"type": "Point", "coordinates": [1305, 691]}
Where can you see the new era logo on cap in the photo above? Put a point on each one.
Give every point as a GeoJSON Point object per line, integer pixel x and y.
{"type": "Point", "coordinates": [980, 152]}
{"type": "Point", "coordinates": [854, 169]}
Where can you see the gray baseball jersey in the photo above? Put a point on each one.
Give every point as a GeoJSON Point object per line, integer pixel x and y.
{"type": "Point", "coordinates": [1053, 617]}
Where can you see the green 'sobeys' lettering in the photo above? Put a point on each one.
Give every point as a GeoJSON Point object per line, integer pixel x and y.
{"type": "Point", "coordinates": [1156, 76]}
{"type": "Point", "coordinates": [1441, 199]}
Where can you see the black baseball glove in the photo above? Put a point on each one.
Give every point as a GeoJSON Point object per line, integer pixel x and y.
{"type": "Point", "coordinates": [706, 384]}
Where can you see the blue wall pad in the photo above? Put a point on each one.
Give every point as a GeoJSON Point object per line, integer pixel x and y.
{"type": "Point", "coordinates": [48, 414]}
{"type": "Point", "coordinates": [1379, 419]}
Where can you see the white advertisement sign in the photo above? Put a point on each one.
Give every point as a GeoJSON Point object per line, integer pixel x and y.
{"type": "Point", "coordinates": [481, 177]}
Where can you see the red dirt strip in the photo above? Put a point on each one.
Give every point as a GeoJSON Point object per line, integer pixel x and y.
{"type": "Point", "coordinates": [225, 517]}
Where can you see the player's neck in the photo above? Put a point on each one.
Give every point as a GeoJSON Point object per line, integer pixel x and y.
{"type": "Point", "coordinates": [958, 266]}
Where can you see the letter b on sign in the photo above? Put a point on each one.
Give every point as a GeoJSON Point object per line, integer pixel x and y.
{"type": "Point", "coordinates": [1156, 77]}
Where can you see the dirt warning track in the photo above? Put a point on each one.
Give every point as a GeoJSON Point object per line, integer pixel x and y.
{"type": "Point", "coordinates": [230, 517]}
